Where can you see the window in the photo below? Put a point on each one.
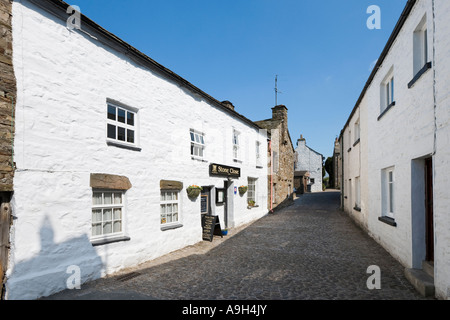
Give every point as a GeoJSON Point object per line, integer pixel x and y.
{"type": "Point", "coordinates": [388, 192]}
{"type": "Point", "coordinates": [169, 207]}
{"type": "Point", "coordinates": [251, 193]}
{"type": "Point", "coordinates": [107, 212]}
{"type": "Point", "coordinates": [197, 144]}
{"type": "Point", "coordinates": [357, 132]}
{"type": "Point", "coordinates": [420, 44]}
{"type": "Point", "coordinates": [258, 153]}
{"type": "Point", "coordinates": [387, 92]}
{"type": "Point", "coordinates": [121, 125]}
{"type": "Point", "coordinates": [236, 147]}
{"type": "Point", "coordinates": [357, 193]}
{"type": "Point", "coordinates": [275, 161]}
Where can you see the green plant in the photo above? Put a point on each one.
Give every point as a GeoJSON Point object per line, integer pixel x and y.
{"type": "Point", "coordinates": [243, 189]}
{"type": "Point", "coordinates": [251, 203]}
{"type": "Point", "coordinates": [193, 191]}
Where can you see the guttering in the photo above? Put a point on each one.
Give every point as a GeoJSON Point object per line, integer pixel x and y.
{"type": "Point", "coordinates": [405, 14]}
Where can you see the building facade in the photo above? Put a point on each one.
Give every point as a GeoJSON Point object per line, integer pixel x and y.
{"type": "Point", "coordinates": [281, 156]}
{"type": "Point", "coordinates": [309, 165]}
{"type": "Point", "coordinates": [107, 145]}
{"type": "Point", "coordinates": [395, 148]}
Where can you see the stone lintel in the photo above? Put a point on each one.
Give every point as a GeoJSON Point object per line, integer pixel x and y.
{"type": "Point", "coordinates": [109, 181]}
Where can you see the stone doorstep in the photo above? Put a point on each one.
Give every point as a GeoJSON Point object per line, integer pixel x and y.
{"type": "Point", "coordinates": [422, 281]}
{"type": "Point", "coordinates": [428, 267]}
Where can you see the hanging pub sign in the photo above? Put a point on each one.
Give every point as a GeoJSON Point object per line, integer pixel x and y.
{"type": "Point", "coordinates": [224, 171]}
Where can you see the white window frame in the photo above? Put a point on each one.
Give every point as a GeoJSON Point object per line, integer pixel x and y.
{"type": "Point", "coordinates": [120, 125]}
{"type": "Point", "coordinates": [258, 153]}
{"type": "Point", "coordinates": [358, 192]}
{"type": "Point", "coordinates": [197, 139]}
{"type": "Point", "coordinates": [388, 192]}
{"type": "Point", "coordinates": [252, 189]}
{"type": "Point", "coordinates": [113, 206]}
{"type": "Point", "coordinates": [420, 45]}
{"type": "Point", "coordinates": [357, 131]}
{"type": "Point", "coordinates": [165, 203]}
{"type": "Point", "coordinates": [387, 94]}
{"type": "Point", "coordinates": [236, 145]}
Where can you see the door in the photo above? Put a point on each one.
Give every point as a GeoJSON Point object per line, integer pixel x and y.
{"type": "Point", "coordinates": [429, 226]}
{"type": "Point", "coordinates": [5, 223]}
{"type": "Point", "coordinates": [205, 204]}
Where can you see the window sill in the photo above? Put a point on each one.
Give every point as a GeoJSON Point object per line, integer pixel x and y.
{"type": "Point", "coordinates": [198, 159]}
{"type": "Point", "coordinates": [122, 145]}
{"type": "Point", "coordinates": [388, 220]}
{"type": "Point", "coordinates": [251, 207]}
{"type": "Point", "coordinates": [101, 242]}
{"type": "Point", "coordinates": [237, 160]}
{"type": "Point", "coordinates": [357, 208]}
{"type": "Point", "coordinates": [386, 110]}
{"type": "Point", "coordinates": [259, 166]}
{"type": "Point", "coordinates": [356, 142]}
{"type": "Point", "coordinates": [349, 149]}
{"type": "Point", "coordinates": [419, 74]}
{"type": "Point", "coordinates": [171, 226]}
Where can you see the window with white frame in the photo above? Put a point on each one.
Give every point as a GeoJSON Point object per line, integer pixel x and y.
{"type": "Point", "coordinates": [169, 207]}
{"type": "Point", "coordinates": [258, 153]}
{"type": "Point", "coordinates": [357, 131]}
{"type": "Point", "coordinates": [251, 193]}
{"type": "Point", "coordinates": [107, 212]}
{"type": "Point", "coordinates": [121, 125]}
{"type": "Point", "coordinates": [357, 193]}
{"type": "Point", "coordinates": [388, 192]}
{"type": "Point", "coordinates": [420, 45]}
{"type": "Point", "coordinates": [236, 144]}
{"type": "Point", "coordinates": [197, 144]}
{"type": "Point", "coordinates": [387, 95]}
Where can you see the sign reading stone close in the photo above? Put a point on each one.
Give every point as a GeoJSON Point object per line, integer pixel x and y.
{"type": "Point", "coordinates": [224, 171]}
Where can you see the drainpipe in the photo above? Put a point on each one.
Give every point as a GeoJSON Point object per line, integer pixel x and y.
{"type": "Point", "coordinates": [271, 176]}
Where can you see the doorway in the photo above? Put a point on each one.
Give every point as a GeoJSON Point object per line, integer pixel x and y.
{"type": "Point", "coordinates": [429, 221]}
{"type": "Point", "coordinates": [5, 225]}
{"type": "Point", "coordinates": [205, 203]}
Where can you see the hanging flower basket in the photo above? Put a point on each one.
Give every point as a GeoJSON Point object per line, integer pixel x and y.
{"type": "Point", "coordinates": [193, 191]}
{"type": "Point", "coordinates": [243, 190]}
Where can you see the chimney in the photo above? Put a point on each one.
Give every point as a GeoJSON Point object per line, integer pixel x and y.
{"type": "Point", "coordinates": [280, 112]}
{"type": "Point", "coordinates": [301, 141]}
{"type": "Point", "coordinates": [228, 104]}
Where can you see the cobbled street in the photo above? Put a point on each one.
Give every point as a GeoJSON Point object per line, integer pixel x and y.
{"type": "Point", "coordinates": [310, 250]}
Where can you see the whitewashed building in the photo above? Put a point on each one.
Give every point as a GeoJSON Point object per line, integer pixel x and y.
{"type": "Point", "coordinates": [396, 148]}
{"type": "Point", "coordinates": [106, 143]}
{"type": "Point", "coordinates": [309, 163]}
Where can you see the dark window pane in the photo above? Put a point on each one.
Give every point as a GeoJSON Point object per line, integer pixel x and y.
{"type": "Point", "coordinates": [130, 118]}
{"type": "Point", "coordinates": [192, 137]}
{"type": "Point", "coordinates": [112, 113]}
{"type": "Point", "coordinates": [130, 136]}
{"type": "Point", "coordinates": [121, 134]}
{"type": "Point", "coordinates": [121, 117]}
{"type": "Point", "coordinates": [111, 131]}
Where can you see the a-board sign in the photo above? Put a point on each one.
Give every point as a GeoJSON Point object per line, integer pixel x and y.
{"type": "Point", "coordinates": [211, 227]}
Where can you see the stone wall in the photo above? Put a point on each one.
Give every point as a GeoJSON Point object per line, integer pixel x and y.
{"type": "Point", "coordinates": [7, 97]}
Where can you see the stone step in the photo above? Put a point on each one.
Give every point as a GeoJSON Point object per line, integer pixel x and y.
{"type": "Point", "coordinates": [422, 281]}
{"type": "Point", "coordinates": [428, 267]}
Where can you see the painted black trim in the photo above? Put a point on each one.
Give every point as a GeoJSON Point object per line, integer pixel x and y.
{"type": "Point", "coordinates": [386, 110]}
{"type": "Point", "coordinates": [357, 208]}
{"type": "Point", "coordinates": [419, 74]}
{"type": "Point", "coordinates": [388, 221]}
{"type": "Point", "coordinates": [356, 142]}
{"type": "Point", "coordinates": [102, 242]}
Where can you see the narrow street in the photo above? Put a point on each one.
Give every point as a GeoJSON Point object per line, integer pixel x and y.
{"type": "Point", "coordinates": [310, 250]}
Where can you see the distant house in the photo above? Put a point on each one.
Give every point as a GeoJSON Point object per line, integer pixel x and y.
{"type": "Point", "coordinates": [281, 158]}
{"type": "Point", "coordinates": [308, 167]}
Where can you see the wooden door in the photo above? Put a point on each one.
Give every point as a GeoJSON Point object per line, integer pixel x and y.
{"type": "Point", "coordinates": [429, 226]}
{"type": "Point", "coordinates": [5, 223]}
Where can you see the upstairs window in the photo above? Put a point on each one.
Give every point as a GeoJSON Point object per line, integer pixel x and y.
{"type": "Point", "coordinates": [121, 125]}
{"type": "Point", "coordinates": [258, 153]}
{"type": "Point", "coordinates": [197, 144]}
{"type": "Point", "coordinates": [420, 50]}
{"type": "Point", "coordinates": [236, 145]}
{"type": "Point", "coordinates": [387, 92]}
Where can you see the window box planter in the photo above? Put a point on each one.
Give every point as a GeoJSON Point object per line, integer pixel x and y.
{"type": "Point", "coordinates": [193, 191]}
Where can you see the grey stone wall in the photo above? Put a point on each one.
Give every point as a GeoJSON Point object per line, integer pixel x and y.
{"type": "Point", "coordinates": [7, 97]}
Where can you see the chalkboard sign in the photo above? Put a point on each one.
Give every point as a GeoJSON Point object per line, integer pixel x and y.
{"type": "Point", "coordinates": [204, 203]}
{"type": "Point", "coordinates": [211, 227]}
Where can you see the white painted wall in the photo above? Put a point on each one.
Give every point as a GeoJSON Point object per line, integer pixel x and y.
{"type": "Point", "coordinates": [310, 160]}
{"type": "Point", "coordinates": [64, 79]}
{"type": "Point", "coordinates": [402, 138]}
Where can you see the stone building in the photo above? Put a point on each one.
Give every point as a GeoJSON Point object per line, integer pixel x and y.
{"type": "Point", "coordinates": [281, 157]}
{"type": "Point", "coordinates": [107, 144]}
{"type": "Point", "coordinates": [308, 168]}
{"type": "Point", "coordinates": [395, 148]}
{"type": "Point", "coordinates": [337, 172]}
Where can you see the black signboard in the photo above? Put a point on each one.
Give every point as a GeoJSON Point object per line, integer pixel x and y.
{"type": "Point", "coordinates": [204, 203]}
{"type": "Point", "coordinates": [211, 227]}
{"type": "Point", "coordinates": [220, 170]}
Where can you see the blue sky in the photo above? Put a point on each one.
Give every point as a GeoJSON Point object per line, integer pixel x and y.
{"type": "Point", "coordinates": [322, 52]}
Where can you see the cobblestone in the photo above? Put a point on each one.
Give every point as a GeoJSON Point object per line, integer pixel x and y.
{"type": "Point", "coordinates": [308, 251]}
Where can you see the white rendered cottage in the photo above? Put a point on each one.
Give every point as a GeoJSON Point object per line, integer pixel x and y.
{"type": "Point", "coordinates": [396, 148]}
{"type": "Point", "coordinates": [107, 142]}
{"type": "Point", "coordinates": [309, 162]}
